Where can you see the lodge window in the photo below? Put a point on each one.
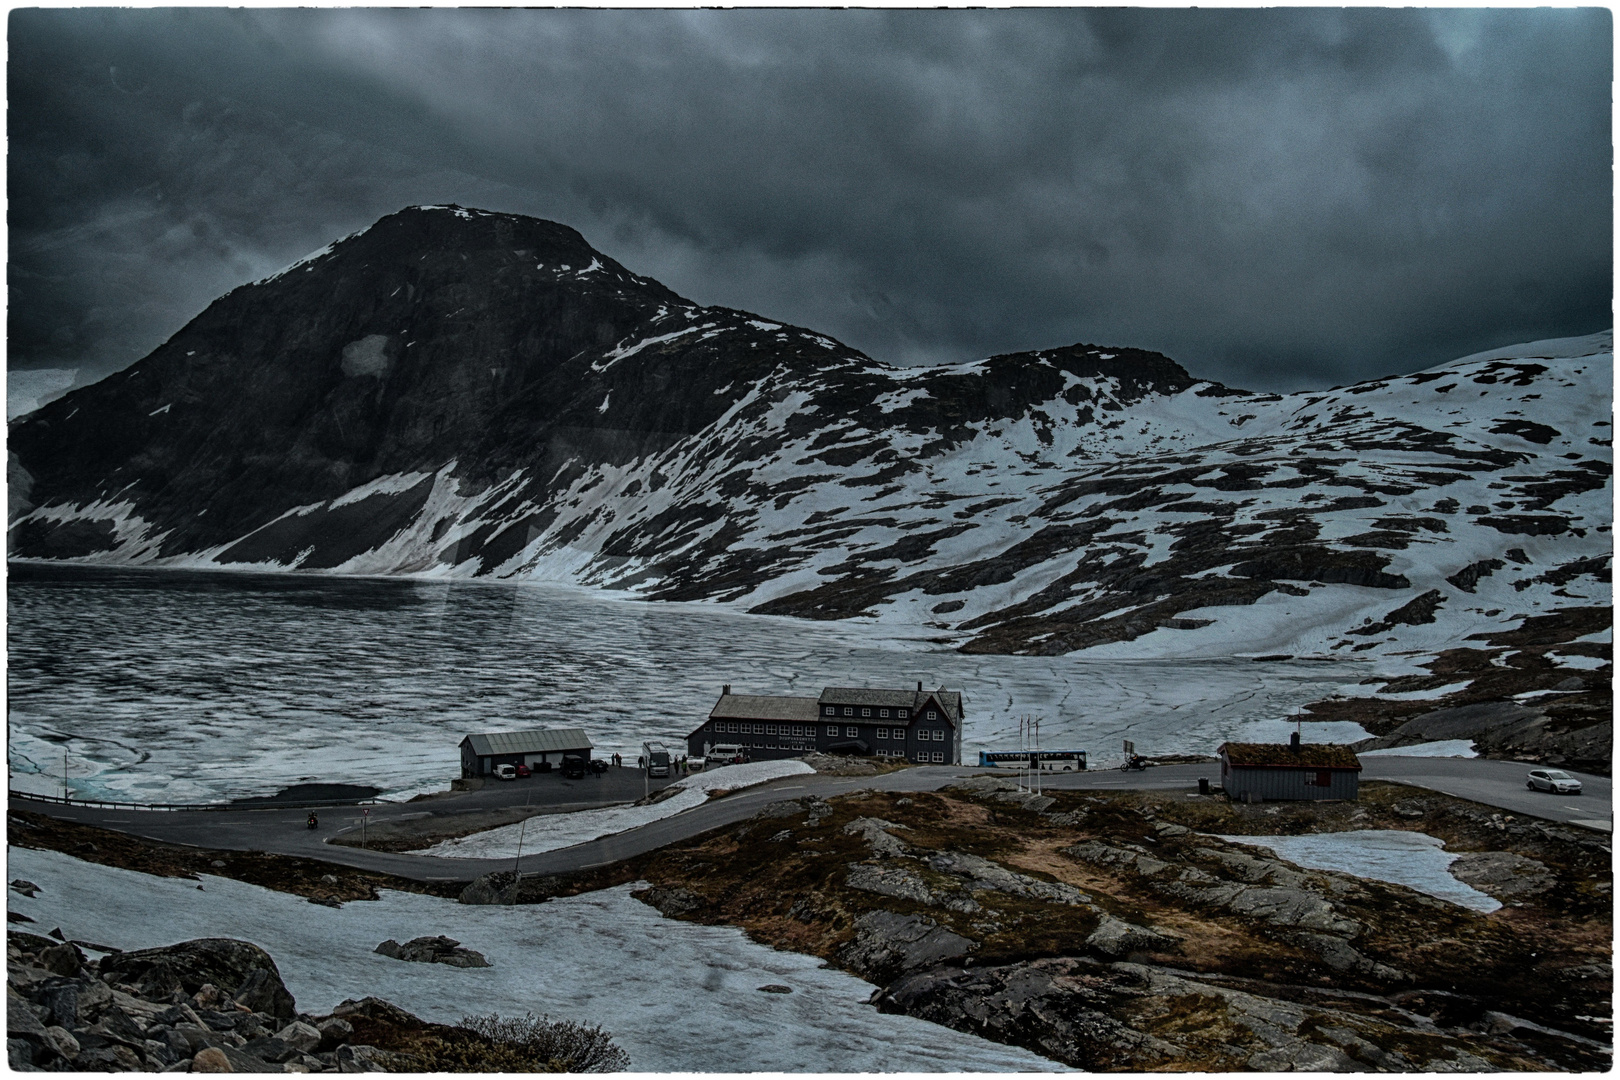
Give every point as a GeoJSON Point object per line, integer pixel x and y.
{"type": "Point", "coordinates": [932, 715]}
{"type": "Point", "coordinates": [832, 729]}
{"type": "Point", "coordinates": [883, 713]}
{"type": "Point", "coordinates": [848, 711]}
{"type": "Point", "coordinates": [866, 712]}
{"type": "Point", "coordinates": [881, 733]}
{"type": "Point", "coordinates": [851, 732]}
{"type": "Point", "coordinates": [770, 729]}
{"type": "Point", "coordinates": [829, 711]}
{"type": "Point", "coordinates": [903, 713]}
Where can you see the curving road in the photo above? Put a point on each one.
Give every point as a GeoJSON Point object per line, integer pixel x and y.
{"type": "Point", "coordinates": [282, 830]}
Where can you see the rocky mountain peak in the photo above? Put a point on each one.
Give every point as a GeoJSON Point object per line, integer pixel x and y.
{"type": "Point", "coordinates": [453, 391]}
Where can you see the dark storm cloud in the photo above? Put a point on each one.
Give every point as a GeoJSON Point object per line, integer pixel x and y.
{"type": "Point", "coordinates": [1276, 198]}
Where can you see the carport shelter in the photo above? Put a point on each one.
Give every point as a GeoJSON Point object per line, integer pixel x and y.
{"type": "Point", "coordinates": [481, 753]}
{"type": "Point", "coordinates": [1288, 771]}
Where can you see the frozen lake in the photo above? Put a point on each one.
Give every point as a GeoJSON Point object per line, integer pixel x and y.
{"type": "Point", "coordinates": [182, 685]}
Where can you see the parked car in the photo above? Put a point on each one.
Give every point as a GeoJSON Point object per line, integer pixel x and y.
{"type": "Point", "coordinates": [506, 772]}
{"type": "Point", "coordinates": [1556, 781]}
{"type": "Point", "coordinates": [523, 770]}
{"type": "Point", "coordinates": [573, 768]}
{"type": "Point", "coordinates": [599, 765]}
{"type": "Point", "coordinates": [694, 764]}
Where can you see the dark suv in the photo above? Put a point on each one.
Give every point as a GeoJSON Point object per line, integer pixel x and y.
{"type": "Point", "coordinates": [573, 768]}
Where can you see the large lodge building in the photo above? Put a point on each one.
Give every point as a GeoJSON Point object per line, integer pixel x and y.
{"type": "Point", "coordinates": [922, 726]}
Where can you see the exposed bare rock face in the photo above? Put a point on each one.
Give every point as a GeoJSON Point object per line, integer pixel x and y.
{"type": "Point", "coordinates": [1120, 932]}
{"type": "Point", "coordinates": [458, 389]}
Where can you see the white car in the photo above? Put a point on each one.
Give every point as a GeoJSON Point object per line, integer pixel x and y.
{"type": "Point", "coordinates": [506, 772]}
{"type": "Point", "coordinates": [1554, 780]}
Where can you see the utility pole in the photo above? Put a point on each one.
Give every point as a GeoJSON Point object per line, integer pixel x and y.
{"type": "Point", "coordinates": [1035, 756]}
{"type": "Point", "coordinates": [64, 775]}
{"type": "Point", "coordinates": [517, 872]}
{"type": "Point", "coordinates": [365, 816]}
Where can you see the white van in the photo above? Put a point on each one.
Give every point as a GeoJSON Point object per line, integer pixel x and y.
{"type": "Point", "coordinates": [506, 772]}
{"type": "Point", "coordinates": [724, 754]}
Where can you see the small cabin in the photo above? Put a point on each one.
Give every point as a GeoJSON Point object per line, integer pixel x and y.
{"type": "Point", "coordinates": [1291, 771]}
{"type": "Point", "coordinates": [481, 753]}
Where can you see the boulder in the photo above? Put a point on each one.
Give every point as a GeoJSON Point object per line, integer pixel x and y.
{"type": "Point", "coordinates": [64, 959]}
{"type": "Point", "coordinates": [301, 1036]}
{"type": "Point", "coordinates": [433, 950]}
{"type": "Point", "coordinates": [672, 902]}
{"type": "Point", "coordinates": [211, 1059]}
{"type": "Point", "coordinates": [263, 992]}
{"type": "Point", "coordinates": [236, 969]}
{"type": "Point", "coordinates": [334, 1031]}
{"type": "Point", "coordinates": [497, 888]}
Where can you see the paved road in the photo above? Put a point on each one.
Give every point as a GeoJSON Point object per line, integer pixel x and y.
{"type": "Point", "coordinates": [1493, 783]}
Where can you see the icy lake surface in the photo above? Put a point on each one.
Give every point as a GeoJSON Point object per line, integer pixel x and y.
{"type": "Point", "coordinates": [182, 685]}
{"type": "Point", "coordinates": [678, 997]}
{"type": "Point", "coordinates": [1417, 860]}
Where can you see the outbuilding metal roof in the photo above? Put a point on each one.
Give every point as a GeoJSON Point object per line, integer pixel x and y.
{"type": "Point", "coordinates": [1284, 756]}
{"type": "Point", "coordinates": [755, 707]}
{"type": "Point", "coordinates": [535, 741]}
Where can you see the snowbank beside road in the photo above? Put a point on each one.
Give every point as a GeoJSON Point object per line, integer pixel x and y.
{"type": "Point", "coordinates": [1441, 748]}
{"type": "Point", "coordinates": [677, 996]}
{"type": "Point", "coordinates": [548, 832]}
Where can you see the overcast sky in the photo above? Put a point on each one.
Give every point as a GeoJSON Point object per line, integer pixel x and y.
{"type": "Point", "coordinates": [1275, 198]}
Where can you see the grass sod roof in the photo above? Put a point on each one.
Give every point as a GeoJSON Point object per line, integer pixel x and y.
{"type": "Point", "coordinates": [1283, 756]}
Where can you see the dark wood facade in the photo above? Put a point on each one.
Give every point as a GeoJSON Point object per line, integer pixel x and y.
{"type": "Point", "coordinates": [921, 726]}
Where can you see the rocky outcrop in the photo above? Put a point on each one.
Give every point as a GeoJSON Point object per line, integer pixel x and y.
{"type": "Point", "coordinates": [1505, 875]}
{"type": "Point", "coordinates": [433, 950]}
{"type": "Point", "coordinates": [1073, 1010]}
{"type": "Point", "coordinates": [239, 971]}
{"type": "Point", "coordinates": [887, 943]}
{"type": "Point", "coordinates": [93, 1020]}
{"type": "Point", "coordinates": [1118, 931]}
{"type": "Point", "coordinates": [210, 1005]}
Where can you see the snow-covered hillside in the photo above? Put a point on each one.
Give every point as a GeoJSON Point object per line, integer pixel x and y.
{"type": "Point", "coordinates": [1404, 513]}
{"type": "Point", "coordinates": [453, 393]}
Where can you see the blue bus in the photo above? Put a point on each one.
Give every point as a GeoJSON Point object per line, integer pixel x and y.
{"type": "Point", "coordinates": [1050, 760]}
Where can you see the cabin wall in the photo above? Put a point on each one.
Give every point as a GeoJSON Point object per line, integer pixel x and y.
{"type": "Point", "coordinates": [1289, 784]}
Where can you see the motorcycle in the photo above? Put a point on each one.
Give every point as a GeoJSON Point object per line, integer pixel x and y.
{"type": "Point", "coordinates": [313, 822]}
{"type": "Point", "coordinates": [1134, 763]}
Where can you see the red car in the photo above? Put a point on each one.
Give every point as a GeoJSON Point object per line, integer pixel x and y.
{"type": "Point", "coordinates": [523, 770]}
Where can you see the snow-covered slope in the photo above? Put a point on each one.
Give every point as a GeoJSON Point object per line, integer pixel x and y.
{"type": "Point", "coordinates": [1077, 498]}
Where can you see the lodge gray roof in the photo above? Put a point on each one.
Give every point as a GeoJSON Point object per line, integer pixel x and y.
{"type": "Point", "coordinates": [949, 700]}
{"type": "Point", "coordinates": [757, 707]}
{"type": "Point", "coordinates": [534, 741]}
